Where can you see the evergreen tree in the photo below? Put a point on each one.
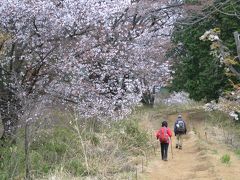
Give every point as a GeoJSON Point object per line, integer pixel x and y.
{"type": "Point", "coordinates": [196, 71]}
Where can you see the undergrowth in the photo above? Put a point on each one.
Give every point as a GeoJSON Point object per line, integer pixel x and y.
{"type": "Point", "coordinates": [79, 148]}
{"type": "Point", "coordinates": [69, 147]}
{"type": "Point", "coordinates": [225, 159]}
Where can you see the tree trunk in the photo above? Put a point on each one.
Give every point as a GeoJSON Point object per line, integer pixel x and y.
{"type": "Point", "coordinates": [148, 98]}
{"type": "Point", "coordinates": [9, 109]}
{"type": "Point", "coordinates": [27, 158]}
{"type": "Point", "coordinates": [237, 41]}
{"type": "Point", "coordinates": [10, 127]}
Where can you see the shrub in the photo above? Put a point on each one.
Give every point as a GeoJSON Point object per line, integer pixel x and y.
{"type": "Point", "coordinates": [225, 159]}
{"type": "Point", "coordinates": [131, 135]}
{"type": "Point", "coordinates": [12, 161]}
{"type": "Point", "coordinates": [76, 167]}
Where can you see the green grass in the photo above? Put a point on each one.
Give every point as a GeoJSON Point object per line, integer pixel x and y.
{"type": "Point", "coordinates": [11, 161]}
{"type": "Point", "coordinates": [131, 134]}
{"type": "Point", "coordinates": [237, 152]}
{"type": "Point", "coordinates": [225, 159]}
{"type": "Point", "coordinates": [61, 147]}
{"type": "Point", "coordinates": [109, 147]}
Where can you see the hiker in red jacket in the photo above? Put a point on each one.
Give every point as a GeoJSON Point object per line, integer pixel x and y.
{"type": "Point", "coordinates": [164, 135]}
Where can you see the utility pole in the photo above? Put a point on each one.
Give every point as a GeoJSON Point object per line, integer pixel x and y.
{"type": "Point", "coordinates": [237, 41]}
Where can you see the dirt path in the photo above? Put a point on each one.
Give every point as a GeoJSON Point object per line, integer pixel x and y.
{"type": "Point", "coordinates": [199, 158]}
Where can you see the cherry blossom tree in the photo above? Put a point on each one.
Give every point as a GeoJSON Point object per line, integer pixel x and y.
{"type": "Point", "coordinates": [97, 56]}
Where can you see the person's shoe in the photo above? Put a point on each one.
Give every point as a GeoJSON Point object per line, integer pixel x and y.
{"type": "Point", "coordinates": [180, 147]}
{"type": "Point", "coordinates": [176, 146]}
{"type": "Point", "coordinates": [165, 159]}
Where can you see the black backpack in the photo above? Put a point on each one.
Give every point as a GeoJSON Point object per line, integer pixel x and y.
{"type": "Point", "coordinates": [180, 126]}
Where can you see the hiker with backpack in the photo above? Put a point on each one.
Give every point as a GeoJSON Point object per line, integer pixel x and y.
{"type": "Point", "coordinates": [164, 135]}
{"type": "Point", "coordinates": [179, 130]}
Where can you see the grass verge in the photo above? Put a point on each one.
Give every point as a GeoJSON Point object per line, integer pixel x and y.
{"type": "Point", "coordinates": [78, 148]}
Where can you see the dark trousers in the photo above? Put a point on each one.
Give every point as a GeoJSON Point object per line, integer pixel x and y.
{"type": "Point", "coordinates": [164, 150]}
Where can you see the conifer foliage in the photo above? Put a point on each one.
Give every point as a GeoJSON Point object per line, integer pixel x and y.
{"type": "Point", "coordinates": [196, 70]}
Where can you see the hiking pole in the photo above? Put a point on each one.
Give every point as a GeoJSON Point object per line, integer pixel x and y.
{"type": "Point", "coordinates": [171, 148]}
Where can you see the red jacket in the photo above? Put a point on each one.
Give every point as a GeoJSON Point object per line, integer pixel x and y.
{"type": "Point", "coordinates": [161, 131]}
